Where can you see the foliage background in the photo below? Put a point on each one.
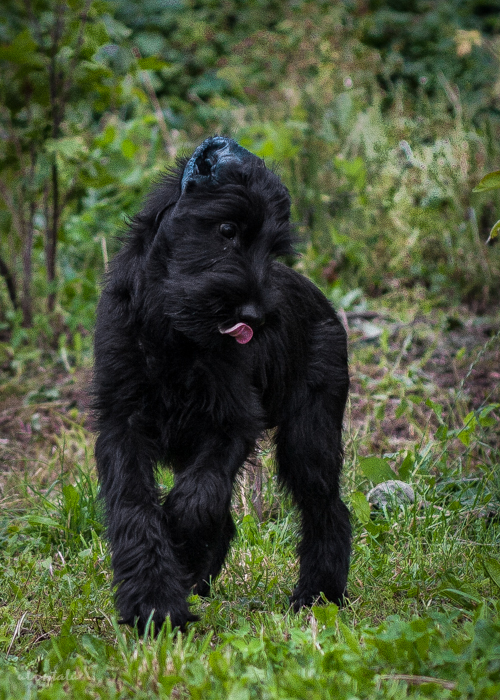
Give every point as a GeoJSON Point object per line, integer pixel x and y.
{"type": "Point", "coordinates": [382, 117]}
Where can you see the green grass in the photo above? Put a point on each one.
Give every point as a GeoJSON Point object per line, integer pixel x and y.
{"type": "Point", "coordinates": [424, 615]}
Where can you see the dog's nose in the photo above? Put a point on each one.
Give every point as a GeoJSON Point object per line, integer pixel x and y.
{"type": "Point", "coordinates": [252, 314]}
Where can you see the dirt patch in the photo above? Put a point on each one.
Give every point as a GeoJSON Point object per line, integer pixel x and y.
{"type": "Point", "coordinates": [458, 369]}
{"type": "Point", "coordinates": [396, 367]}
{"type": "Point", "coordinates": [38, 424]}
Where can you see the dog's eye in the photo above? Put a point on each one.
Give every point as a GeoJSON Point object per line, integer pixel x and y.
{"type": "Point", "coordinates": [228, 230]}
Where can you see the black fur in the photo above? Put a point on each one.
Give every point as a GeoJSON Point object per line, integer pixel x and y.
{"type": "Point", "coordinates": [172, 388]}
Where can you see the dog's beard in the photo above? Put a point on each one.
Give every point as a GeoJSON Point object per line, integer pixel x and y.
{"type": "Point", "coordinates": [205, 308]}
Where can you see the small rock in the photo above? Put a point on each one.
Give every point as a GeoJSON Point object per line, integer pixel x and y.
{"type": "Point", "coordinates": [390, 494]}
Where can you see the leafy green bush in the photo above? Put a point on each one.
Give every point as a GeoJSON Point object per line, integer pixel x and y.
{"type": "Point", "coordinates": [380, 164]}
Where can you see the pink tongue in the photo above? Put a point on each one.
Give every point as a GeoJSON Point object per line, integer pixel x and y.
{"type": "Point", "coordinates": [241, 332]}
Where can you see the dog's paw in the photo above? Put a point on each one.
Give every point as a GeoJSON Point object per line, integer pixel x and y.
{"type": "Point", "coordinates": [202, 588]}
{"type": "Point", "coordinates": [302, 598]}
{"type": "Point", "coordinates": [179, 617]}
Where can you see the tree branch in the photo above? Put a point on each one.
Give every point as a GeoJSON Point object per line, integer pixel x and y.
{"type": "Point", "coordinates": [9, 281]}
{"type": "Point", "coordinates": [79, 41]}
{"type": "Point", "coordinates": [168, 143]}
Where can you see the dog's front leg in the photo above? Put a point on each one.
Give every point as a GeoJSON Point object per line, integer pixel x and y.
{"type": "Point", "coordinates": [147, 573]}
{"type": "Point", "coordinates": [198, 508]}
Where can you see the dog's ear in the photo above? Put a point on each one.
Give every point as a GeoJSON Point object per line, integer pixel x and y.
{"type": "Point", "coordinates": [161, 199]}
{"type": "Point", "coordinates": [210, 159]}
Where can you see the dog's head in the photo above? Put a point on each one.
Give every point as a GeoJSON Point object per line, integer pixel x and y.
{"type": "Point", "coordinates": [216, 243]}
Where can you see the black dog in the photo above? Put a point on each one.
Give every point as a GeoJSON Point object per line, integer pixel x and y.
{"type": "Point", "coordinates": [203, 341]}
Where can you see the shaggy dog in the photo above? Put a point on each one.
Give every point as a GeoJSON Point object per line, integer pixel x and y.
{"type": "Point", "coordinates": [203, 341]}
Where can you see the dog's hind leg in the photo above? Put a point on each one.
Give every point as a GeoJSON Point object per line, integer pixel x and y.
{"type": "Point", "coordinates": [309, 467]}
{"type": "Point", "coordinates": [309, 455]}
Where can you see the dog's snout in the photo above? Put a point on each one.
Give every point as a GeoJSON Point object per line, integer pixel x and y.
{"type": "Point", "coordinates": [252, 314]}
